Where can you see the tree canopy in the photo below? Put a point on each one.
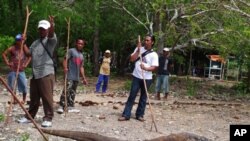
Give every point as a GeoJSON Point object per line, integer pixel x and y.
{"type": "Point", "coordinates": [182, 25]}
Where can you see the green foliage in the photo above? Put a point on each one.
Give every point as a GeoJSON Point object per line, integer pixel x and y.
{"type": "Point", "coordinates": [2, 117]}
{"type": "Point", "coordinates": [88, 67]}
{"type": "Point", "coordinates": [28, 71]}
{"type": "Point", "coordinates": [241, 88]}
{"type": "Point", "coordinates": [60, 52]}
{"type": "Point", "coordinates": [25, 136]}
{"type": "Point", "coordinates": [127, 85]}
{"type": "Point", "coordinates": [5, 42]}
{"type": "Point", "coordinates": [191, 87]}
{"type": "Point", "coordinates": [215, 27]}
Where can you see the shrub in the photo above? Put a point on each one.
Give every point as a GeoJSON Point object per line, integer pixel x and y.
{"type": "Point", "coordinates": [5, 42]}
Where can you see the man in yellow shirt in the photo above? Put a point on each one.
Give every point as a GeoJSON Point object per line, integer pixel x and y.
{"type": "Point", "coordinates": [104, 72]}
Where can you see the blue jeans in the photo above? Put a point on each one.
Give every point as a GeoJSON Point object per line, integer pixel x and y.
{"type": "Point", "coordinates": [162, 81]}
{"type": "Point", "coordinates": [137, 84]}
{"type": "Point", "coordinates": [21, 81]}
{"type": "Point", "coordinates": [104, 79]}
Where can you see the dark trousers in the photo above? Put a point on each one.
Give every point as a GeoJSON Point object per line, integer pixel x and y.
{"type": "Point", "coordinates": [71, 93]}
{"type": "Point", "coordinates": [137, 84]}
{"type": "Point", "coordinates": [42, 88]}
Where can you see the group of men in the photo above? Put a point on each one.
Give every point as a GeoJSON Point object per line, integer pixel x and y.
{"type": "Point", "coordinates": [43, 75]}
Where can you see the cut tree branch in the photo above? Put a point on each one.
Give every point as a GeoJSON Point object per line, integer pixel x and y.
{"type": "Point", "coordinates": [194, 41]}
{"type": "Point", "coordinates": [126, 10]}
{"type": "Point", "coordinates": [196, 14]}
{"type": "Point", "coordinates": [237, 10]}
{"type": "Point", "coordinates": [244, 2]}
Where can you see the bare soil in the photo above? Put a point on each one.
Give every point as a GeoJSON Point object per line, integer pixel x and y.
{"type": "Point", "coordinates": [209, 112]}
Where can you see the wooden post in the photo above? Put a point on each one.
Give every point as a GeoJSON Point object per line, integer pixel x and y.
{"type": "Point", "coordinates": [18, 66]}
{"type": "Point", "coordinates": [27, 113]}
{"type": "Point", "coordinates": [66, 76]}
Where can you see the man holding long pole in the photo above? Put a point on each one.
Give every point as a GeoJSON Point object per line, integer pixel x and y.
{"type": "Point", "coordinates": [42, 82]}
{"type": "Point", "coordinates": [142, 72]}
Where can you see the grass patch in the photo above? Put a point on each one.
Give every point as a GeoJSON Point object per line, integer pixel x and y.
{"type": "Point", "coordinates": [2, 117]}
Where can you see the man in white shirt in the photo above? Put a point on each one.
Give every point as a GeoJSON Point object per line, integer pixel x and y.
{"type": "Point", "coordinates": [143, 70]}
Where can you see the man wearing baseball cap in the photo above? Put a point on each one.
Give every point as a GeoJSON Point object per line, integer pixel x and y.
{"type": "Point", "coordinates": [42, 82]}
{"type": "Point", "coordinates": [162, 80]}
{"type": "Point", "coordinates": [12, 61]}
{"type": "Point", "coordinates": [104, 73]}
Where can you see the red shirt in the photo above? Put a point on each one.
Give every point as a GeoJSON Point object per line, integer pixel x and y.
{"type": "Point", "coordinates": [14, 55]}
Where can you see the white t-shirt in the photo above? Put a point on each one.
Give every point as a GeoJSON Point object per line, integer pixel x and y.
{"type": "Point", "coordinates": [151, 59]}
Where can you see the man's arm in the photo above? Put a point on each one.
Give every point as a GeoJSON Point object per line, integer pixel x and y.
{"type": "Point", "coordinates": [65, 65]}
{"type": "Point", "coordinates": [51, 29]}
{"type": "Point", "coordinates": [136, 54]}
{"type": "Point", "coordinates": [151, 68]}
{"type": "Point", "coordinates": [28, 55]}
{"type": "Point", "coordinates": [5, 54]}
{"type": "Point", "coordinates": [82, 73]}
{"type": "Point", "coordinates": [26, 51]}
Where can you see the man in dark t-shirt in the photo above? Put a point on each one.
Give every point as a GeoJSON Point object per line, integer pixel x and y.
{"type": "Point", "coordinates": [163, 74]}
{"type": "Point", "coordinates": [74, 68]}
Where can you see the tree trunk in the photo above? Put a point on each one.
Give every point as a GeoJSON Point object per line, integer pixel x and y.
{"type": "Point", "coordinates": [96, 52]}
{"type": "Point", "coordinates": [96, 38]}
{"type": "Point", "coordinates": [20, 5]}
{"type": "Point", "coordinates": [248, 79]}
{"type": "Point", "coordinates": [190, 62]}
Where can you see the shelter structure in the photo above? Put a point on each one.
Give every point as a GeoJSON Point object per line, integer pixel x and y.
{"type": "Point", "coordinates": [215, 68]}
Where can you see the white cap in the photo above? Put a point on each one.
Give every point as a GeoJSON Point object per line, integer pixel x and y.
{"type": "Point", "coordinates": [107, 51]}
{"type": "Point", "coordinates": [166, 49]}
{"type": "Point", "coordinates": [44, 24]}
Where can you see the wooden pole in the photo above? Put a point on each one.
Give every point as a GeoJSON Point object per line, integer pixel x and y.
{"type": "Point", "coordinates": [66, 75]}
{"type": "Point", "coordinates": [21, 105]}
{"type": "Point", "coordinates": [19, 62]}
{"type": "Point", "coordinates": [145, 86]}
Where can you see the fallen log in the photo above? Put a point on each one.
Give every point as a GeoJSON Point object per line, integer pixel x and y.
{"type": "Point", "coordinates": [181, 137]}
{"type": "Point", "coordinates": [86, 136]}
{"type": "Point", "coordinates": [79, 136]}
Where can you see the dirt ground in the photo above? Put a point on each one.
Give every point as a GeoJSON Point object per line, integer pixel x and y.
{"type": "Point", "coordinates": [209, 116]}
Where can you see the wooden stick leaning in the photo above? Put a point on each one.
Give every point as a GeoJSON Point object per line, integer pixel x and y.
{"type": "Point", "coordinates": [19, 62]}
{"type": "Point", "coordinates": [65, 75]}
{"type": "Point", "coordinates": [21, 105]}
{"type": "Point", "coordinates": [145, 86]}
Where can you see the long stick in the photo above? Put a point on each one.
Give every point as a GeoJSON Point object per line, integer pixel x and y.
{"type": "Point", "coordinates": [146, 90]}
{"type": "Point", "coordinates": [27, 113]}
{"type": "Point", "coordinates": [19, 62]}
{"type": "Point", "coordinates": [66, 75]}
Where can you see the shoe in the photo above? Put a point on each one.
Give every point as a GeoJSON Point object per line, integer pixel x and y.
{"type": "Point", "coordinates": [46, 124]}
{"type": "Point", "coordinates": [97, 92]}
{"type": "Point", "coordinates": [158, 96]}
{"type": "Point", "coordinates": [60, 110]}
{"type": "Point", "coordinates": [140, 119]}
{"type": "Point", "coordinates": [165, 97]}
{"type": "Point", "coordinates": [24, 120]}
{"type": "Point", "coordinates": [73, 110]}
{"type": "Point", "coordinates": [122, 119]}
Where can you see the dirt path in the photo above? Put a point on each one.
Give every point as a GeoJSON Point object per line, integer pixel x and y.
{"type": "Point", "coordinates": [206, 118]}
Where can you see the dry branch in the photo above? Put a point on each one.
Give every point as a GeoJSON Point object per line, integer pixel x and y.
{"type": "Point", "coordinates": [23, 108]}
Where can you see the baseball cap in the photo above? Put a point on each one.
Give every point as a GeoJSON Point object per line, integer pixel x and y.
{"type": "Point", "coordinates": [18, 37]}
{"type": "Point", "coordinates": [166, 49]}
{"type": "Point", "coordinates": [107, 51]}
{"type": "Point", "coordinates": [44, 24]}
